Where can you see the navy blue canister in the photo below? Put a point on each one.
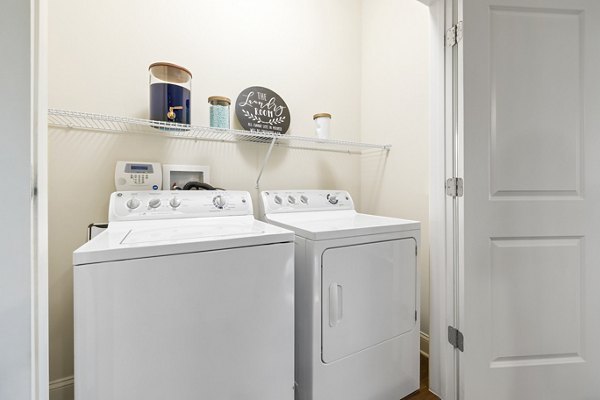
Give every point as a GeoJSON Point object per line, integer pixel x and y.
{"type": "Point", "coordinates": [170, 93]}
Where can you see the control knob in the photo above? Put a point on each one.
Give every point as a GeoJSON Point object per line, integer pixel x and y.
{"type": "Point", "coordinates": [219, 201]}
{"type": "Point", "coordinates": [154, 203]}
{"type": "Point", "coordinates": [277, 199]}
{"type": "Point", "coordinates": [333, 199]}
{"type": "Point", "coordinates": [291, 200]}
{"type": "Point", "coordinates": [133, 203]}
{"type": "Point", "coordinates": [304, 199]}
{"type": "Point", "coordinates": [175, 202]}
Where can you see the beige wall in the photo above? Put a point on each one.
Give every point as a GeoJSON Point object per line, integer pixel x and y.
{"type": "Point", "coordinates": [309, 51]}
{"type": "Point", "coordinates": [395, 51]}
{"type": "Point", "coordinates": [99, 56]}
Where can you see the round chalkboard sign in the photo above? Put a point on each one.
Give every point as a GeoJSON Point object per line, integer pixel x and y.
{"type": "Point", "coordinates": [261, 109]}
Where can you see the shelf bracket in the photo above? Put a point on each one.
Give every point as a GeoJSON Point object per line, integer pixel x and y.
{"type": "Point", "coordinates": [264, 163]}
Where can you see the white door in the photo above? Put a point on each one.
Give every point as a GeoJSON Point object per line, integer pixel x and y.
{"type": "Point", "coordinates": [531, 205]}
{"type": "Point", "coordinates": [23, 216]}
{"type": "Point", "coordinates": [369, 295]}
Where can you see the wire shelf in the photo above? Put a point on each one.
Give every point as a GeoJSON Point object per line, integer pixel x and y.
{"type": "Point", "coordinates": [108, 123]}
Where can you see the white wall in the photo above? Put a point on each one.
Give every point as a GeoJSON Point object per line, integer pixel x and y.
{"type": "Point", "coordinates": [395, 59]}
{"type": "Point", "coordinates": [23, 315]}
{"type": "Point", "coordinates": [307, 51]}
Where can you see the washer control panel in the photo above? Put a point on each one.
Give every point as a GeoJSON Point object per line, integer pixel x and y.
{"type": "Point", "coordinates": [279, 201]}
{"type": "Point", "coordinates": [165, 204]}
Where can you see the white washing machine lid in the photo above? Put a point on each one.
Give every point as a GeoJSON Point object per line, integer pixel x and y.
{"type": "Point", "coordinates": [153, 238]}
{"type": "Point", "coordinates": [323, 225]}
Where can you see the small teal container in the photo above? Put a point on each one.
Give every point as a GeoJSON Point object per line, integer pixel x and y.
{"type": "Point", "coordinates": [219, 112]}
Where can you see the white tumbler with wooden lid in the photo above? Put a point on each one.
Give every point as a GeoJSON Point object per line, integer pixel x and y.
{"type": "Point", "coordinates": [322, 125]}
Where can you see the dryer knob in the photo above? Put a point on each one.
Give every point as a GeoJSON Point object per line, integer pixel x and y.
{"type": "Point", "coordinates": [133, 203]}
{"type": "Point", "coordinates": [304, 199]}
{"type": "Point", "coordinates": [154, 203]}
{"type": "Point", "coordinates": [333, 199]}
{"type": "Point", "coordinates": [175, 202]}
{"type": "Point", "coordinates": [219, 201]}
{"type": "Point", "coordinates": [277, 199]}
{"type": "Point", "coordinates": [291, 200]}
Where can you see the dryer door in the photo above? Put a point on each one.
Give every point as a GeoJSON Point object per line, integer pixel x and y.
{"type": "Point", "coordinates": [369, 295]}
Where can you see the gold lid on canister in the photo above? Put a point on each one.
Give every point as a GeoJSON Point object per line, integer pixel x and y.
{"type": "Point", "coordinates": [223, 99]}
{"type": "Point", "coordinates": [322, 115]}
{"type": "Point", "coordinates": [168, 64]}
{"type": "Point", "coordinates": [170, 72]}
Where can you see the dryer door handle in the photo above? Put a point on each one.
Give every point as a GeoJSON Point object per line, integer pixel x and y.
{"type": "Point", "coordinates": [335, 304]}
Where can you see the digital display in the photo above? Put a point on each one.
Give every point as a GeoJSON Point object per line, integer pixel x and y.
{"type": "Point", "coordinates": [139, 168]}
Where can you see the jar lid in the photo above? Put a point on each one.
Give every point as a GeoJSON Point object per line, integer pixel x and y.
{"type": "Point", "coordinates": [219, 98]}
{"type": "Point", "coordinates": [322, 115]}
{"type": "Point", "coordinates": [168, 64]}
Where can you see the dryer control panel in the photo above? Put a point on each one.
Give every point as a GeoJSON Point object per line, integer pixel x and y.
{"type": "Point", "coordinates": [280, 201]}
{"type": "Point", "coordinates": [171, 204]}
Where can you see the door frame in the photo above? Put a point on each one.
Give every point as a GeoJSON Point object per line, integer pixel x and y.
{"type": "Point", "coordinates": [24, 268]}
{"type": "Point", "coordinates": [445, 254]}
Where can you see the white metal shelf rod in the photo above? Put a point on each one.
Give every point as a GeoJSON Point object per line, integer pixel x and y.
{"type": "Point", "coordinates": [264, 163]}
{"type": "Point", "coordinates": [90, 121]}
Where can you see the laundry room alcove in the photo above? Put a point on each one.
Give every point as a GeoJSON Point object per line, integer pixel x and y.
{"type": "Point", "coordinates": [363, 61]}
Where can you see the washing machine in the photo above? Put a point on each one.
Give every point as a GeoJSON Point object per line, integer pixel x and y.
{"type": "Point", "coordinates": [185, 296]}
{"type": "Point", "coordinates": [356, 310]}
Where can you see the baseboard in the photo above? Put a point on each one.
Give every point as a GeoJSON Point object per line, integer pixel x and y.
{"type": "Point", "coordinates": [63, 388]}
{"type": "Point", "coordinates": [425, 344]}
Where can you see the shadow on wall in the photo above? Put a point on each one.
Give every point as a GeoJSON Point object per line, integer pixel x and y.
{"type": "Point", "coordinates": [373, 167]}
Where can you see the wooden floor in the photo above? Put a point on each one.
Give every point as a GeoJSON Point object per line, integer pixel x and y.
{"type": "Point", "coordinates": [423, 393]}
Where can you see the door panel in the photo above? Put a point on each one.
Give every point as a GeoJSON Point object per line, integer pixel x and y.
{"type": "Point", "coordinates": [368, 295]}
{"type": "Point", "coordinates": [535, 300]}
{"type": "Point", "coordinates": [531, 199]}
{"type": "Point", "coordinates": [536, 101]}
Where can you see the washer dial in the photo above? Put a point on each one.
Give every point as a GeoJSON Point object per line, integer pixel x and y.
{"type": "Point", "coordinates": [133, 203]}
{"type": "Point", "coordinates": [175, 202]}
{"type": "Point", "coordinates": [219, 201]}
{"type": "Point", "coordinates": [154, 203]}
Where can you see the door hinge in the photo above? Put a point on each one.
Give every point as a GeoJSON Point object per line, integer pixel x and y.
{"type": "Point", "coordinates": [456, 338]}
{"type": "Point", "coordinates": [454, 34]}
{"type": "Point", "coordinates": [455, 187]}
{"type": "Point", "coordinates": [416, 315]}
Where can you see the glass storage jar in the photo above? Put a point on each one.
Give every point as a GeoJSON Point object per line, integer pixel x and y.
{"type": "Point", "coordinates": [170, 93]}
{"type": "Point", "coordinates": [322, 125]}
{"type": "Point", "coordinates": [219, 111]}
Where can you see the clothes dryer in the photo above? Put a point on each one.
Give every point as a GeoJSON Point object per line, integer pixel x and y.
{"type": "Point", "coordinates": [357, 297]}
{"type": "Point", "coordinates": [185, 296]}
